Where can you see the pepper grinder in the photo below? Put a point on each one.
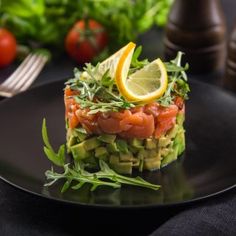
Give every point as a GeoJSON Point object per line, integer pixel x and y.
{"type": "Point", "coordinates": [230, 71]}
{"type": "Point", "coordinates": [197, 28]}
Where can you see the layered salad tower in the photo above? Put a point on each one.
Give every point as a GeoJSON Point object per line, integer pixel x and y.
{"type": "Point", "coordinates": [127, 112]}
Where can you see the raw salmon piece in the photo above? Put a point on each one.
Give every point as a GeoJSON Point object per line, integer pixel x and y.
{"type": "Point", "coordinates": [144, 130]}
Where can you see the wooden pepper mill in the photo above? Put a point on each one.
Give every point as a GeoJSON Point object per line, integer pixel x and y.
{"type": "Point", "coordinates": [230, 71]}
{"type": "Point", "coordinates": [197, 28]}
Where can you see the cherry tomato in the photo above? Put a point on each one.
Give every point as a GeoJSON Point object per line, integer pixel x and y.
{"type": "Point", "coordinates": [85, 40]}
{"type": "Point", "coordinates": [7, 47]}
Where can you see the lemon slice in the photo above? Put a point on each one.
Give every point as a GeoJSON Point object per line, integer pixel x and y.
{"type": "Point", "coordinates": [111, 62]}
{"type": "Point", "coordinates": [144, 85]}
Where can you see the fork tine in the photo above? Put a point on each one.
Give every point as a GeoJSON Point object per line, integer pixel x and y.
{"type": "Point", "coordinates": [6, 94]}
{"type": "Point", "coordinates": [17, 71]}
{"type": "Point", "coordinates": [34, 75]}
{"type": "Point", "coordinates": [23, 79]}
{"type": "Point", "coordinates": [21, 73]}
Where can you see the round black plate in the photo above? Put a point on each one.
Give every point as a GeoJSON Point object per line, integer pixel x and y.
{"type": "Point", "coordinates": [207, 168]}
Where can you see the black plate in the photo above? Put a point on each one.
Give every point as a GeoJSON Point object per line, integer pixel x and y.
{"type": "Point", "coordinates": [207, 168]}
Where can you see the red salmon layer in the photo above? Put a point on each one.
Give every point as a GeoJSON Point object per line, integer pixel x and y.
{"type": "Point", "coordinates": [151, 120]}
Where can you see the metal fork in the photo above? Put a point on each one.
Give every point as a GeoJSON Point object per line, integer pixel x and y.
{"type": "Point", "coordinates": [24, 75]}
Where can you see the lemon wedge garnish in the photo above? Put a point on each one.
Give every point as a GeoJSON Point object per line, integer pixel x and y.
{"type": "Point", "coordinates": [144, 85]}
{"type": "Point", "coordinates": [111, 63]}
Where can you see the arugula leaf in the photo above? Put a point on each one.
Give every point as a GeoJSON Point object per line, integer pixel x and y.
{"type": "Point", "coordinates": [99, 95]}
{"type": "Point", "coordinates": [96, 107]}
{"type": "Point", "coordinates": [57, 158]}
{"type": "Point", "coordinates": [135, 62]}
{"type": "Point", "coordinates": [177, 81]}
{"type": "Point", "coordinates": [78, 174]}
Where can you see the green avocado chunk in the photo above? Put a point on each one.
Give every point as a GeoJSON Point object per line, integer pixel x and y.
{"type": "Point", "coordinates": [92, 143]}
{"type": "Point", "coordinates": [152, 164]}
{"type": "Point", "coordinates": [180, 119]}
{"type": "Point", "coordinates": [100, 151]}
{"type": "Point", "coordinates": [177, 149]}
{"type": "Point", "coordinates": [81, 136]}
{"type": "Point", "coordinates": [123, 167]}
{"type": "Point", "coordinates": [71, 141]}
{"type": "Point", "coordinates": [107, 138]}
{"type": "Point", "coordinates": [164, 142]}
{"type": "Point", "coordinates": [126, 157]}
{"type": "Point", "coordinates": [172, 133]}
{"type": "Point", "coordinates": [122, 145]}
{"type": "Point", "coordinates": [137, 143]}
{"type": "Point", "coordinates": [172, 155]}
{"type": "Point", "coordinates": [79, 151]}
{"type": "Point", "coordinates": [150, 143]}
{"type": "Point", "coordinates": [112, 147]}
{"type": "Point", "coordinates": [180, 141]}
{"type": "Point", "coordinates": [120, 167]}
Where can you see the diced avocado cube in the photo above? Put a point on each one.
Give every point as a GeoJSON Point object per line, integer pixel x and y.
{"type": "Point", "coordinates": [142, 154]}
{"type": "Point", "coordinates": [126, 157]}
{"type": "Point", "coordinates": [114, 159]}
{"type": "Point", "coordinates": [79, 151]}
{"type": "Point", "coordinates": [152, 164]}
{"type": "Point", "coordinates": [180, 119]}
{"type": "Point", "coordinates": [154, 154]}
{"type": "Point", "coordinates": [163, 141]}
{"type": "Point", "coordinates": [137, 143]}
{"type": "Point", "coordinates": [165, 151]}
{"type": "Point", "coordinates": [173, 132]}
{"type": "Point", "coordinates": [112, 148]}
{"type": "Point", "coordinates": [92, 143]}
{"type": "Point", "coordinates": [122, 145]}
{"type": "Point", "coordinates": [79, 133]}
{"type": "Point", "coordinates": [107, 138]}
{"type": "Point", "coordinates": [100, 151]}
{"type": "Point", "coordinates": [180, 141]}
{"type": "Point", "coordinates": [123, 167]}
{"type": "Point", "coordinates": [81, 136]}
{"type": "Point", "coordinates": [133, 150]}
{"type": "Point", "coordinates": [150, 143]}
{"type": "Point", "coordinates": [170, 157]}
{"type": "Point", "coordinates": [71, 141]}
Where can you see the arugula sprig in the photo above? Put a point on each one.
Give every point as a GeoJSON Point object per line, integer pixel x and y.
{"type": "Point", "coordinates": [96, 107]}
{"type": "Point", "coordinates": [177, 81]}
{"type": "Point", "coordinates": [76, 175]}
{"type": "Point", "coordinates": [57, 158]}
{"type": "Point", "coordinates": [99, 95]}
{"type": "Point", "coordinates": [135, 62]}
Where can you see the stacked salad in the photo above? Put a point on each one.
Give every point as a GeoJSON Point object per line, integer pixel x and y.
{"type": "Point", "coordinates": [122, 114]}
{"type": "Point", "coordinates": [126, 112]}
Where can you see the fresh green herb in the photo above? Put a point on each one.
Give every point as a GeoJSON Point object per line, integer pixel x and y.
{"type": "Point", "coordinates": [56, 158]}
{"type": "Point", "coordinates": [96, 107]}
{"type": "Point", "coordinates": [97, 94]}
{"type": "Point", "coordinates": [135, 62]}
{"type": "Point", "coordinates": [79, 175]}
{"type": "Point", "coordinates": [76, 172]}
{"type": "Point", "coordinates": [177, 81]}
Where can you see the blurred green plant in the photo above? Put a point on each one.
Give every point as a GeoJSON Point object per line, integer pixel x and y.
{"type": "Point", "coordinates": [45, 23]}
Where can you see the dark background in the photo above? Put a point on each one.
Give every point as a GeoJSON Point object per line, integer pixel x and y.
{"type": "Point", "coordinates": [25, 214]}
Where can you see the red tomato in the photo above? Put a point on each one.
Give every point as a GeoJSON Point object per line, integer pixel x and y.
{"type": "Point", "coordinates": [85, 40]}
{"type": "Point", "coordinates": [7, 47]}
